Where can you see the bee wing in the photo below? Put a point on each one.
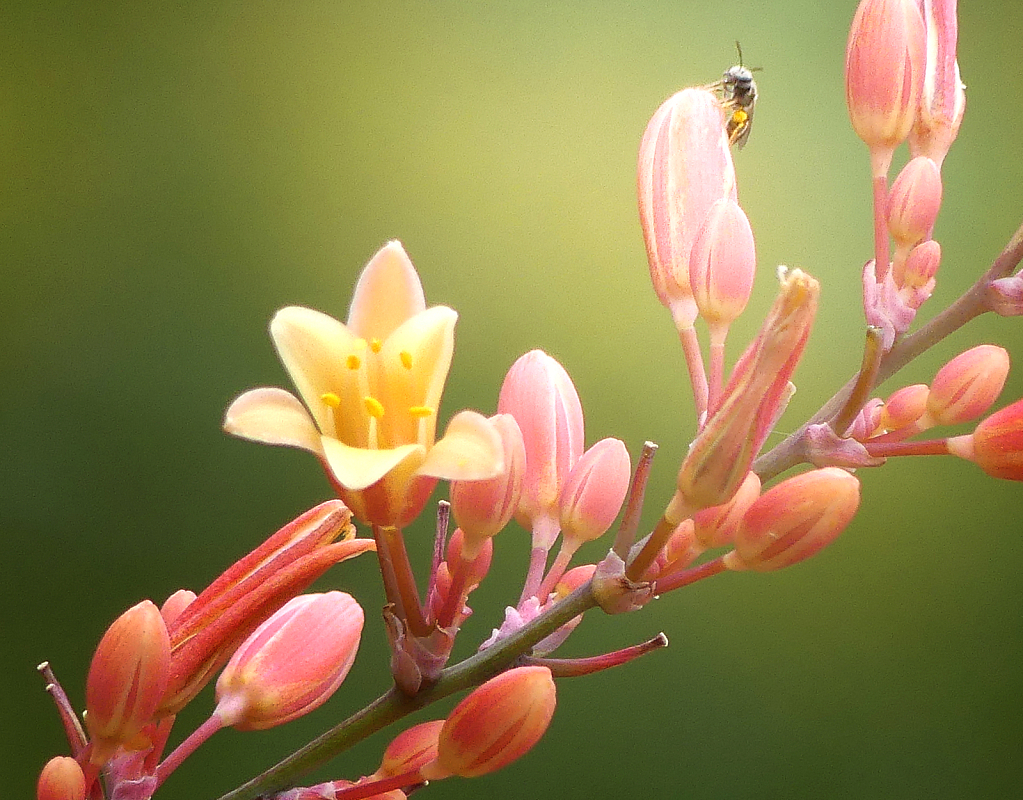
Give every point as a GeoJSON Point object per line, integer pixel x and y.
{"type": "Point", "coordinates": [738, 132]}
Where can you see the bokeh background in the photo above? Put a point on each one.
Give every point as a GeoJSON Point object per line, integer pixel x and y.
{"type": "Point", "coordinates": [171, 173]}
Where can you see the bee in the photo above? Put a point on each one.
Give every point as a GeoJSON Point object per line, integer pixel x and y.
{"type": "Point", "coordinates": [738, 93]}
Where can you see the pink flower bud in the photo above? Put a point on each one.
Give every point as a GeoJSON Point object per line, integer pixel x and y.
{"type": "Point", "coordinates": [869, 422]}
{"type": "Point", "coordinates": [61, 779]}
{"type": "Point", "coordinates": [175, 604]}
{"type": "Point", "coordinates": [905, 406]}
{"type": "Point", "coordinates": [716, 526]}
{"type": "Point", "coordinates": [292, 663]}
{"type": "Point", "coordinates": [1005, 296]}
{"type": "Point", "coordinates": [411, 750]}
{"type": "Point", "coordinates": [722, 454]}
{"type": "Point", "coordinates": [943, 100]}
{"type": "Point", "coordinates": [914, 202]}
{"type": "Point", "coordinates": [483, 508]}
{"type": "Point", "coordinates": [884, 66]}
{"type": "Point", "coordinates": [496, 724]}
{"type": "Point", "coordinates": [127, 679]}
{"type": "Point", "coordinates": [794, 520]}
{"type": "Point", "coordinates": [684, 166]}
{"type": "Point", "coordinates": [541, 397]}
{"type": "Point", "coordinates": [722, 263]}
{"type": "Point", "coordinates": [919, 271]}
{"type": "Point", "coordinates": [996, 446]}
{"type": "Point", "coordinates": [594, 492]}
{"type": "Point", "coordinates": [968, 385]}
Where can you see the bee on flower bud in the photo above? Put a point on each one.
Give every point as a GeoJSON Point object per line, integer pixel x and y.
{"type": "Point", "coordinates": [738, 93]}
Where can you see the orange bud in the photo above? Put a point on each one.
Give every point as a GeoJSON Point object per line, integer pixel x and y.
{"type": "Point", "coordinates": [904, 407]}
{"type": "Point", "coordinates": [968, 385]}
{"type": "Point", "coordinates": [292, 663]}
{"type": "Point", "coordinates": [127, 679]}
{"type": "Point", "coordinates": [594, 492]}
{"type": "Point", "coordinates": [496, 724]}
{"type": "Point", "coordinates": [410, 750]}
{"type": "Point", "coordinates": [914, 201]}
{"type": "Point", "coordinates": [61, 779]}
{"type": "Point", "coordinates": [996, 446]}
{"type": "Point", "coordinates": [794, 520]}
{"type": "Point", "coordinates": [716, 526]}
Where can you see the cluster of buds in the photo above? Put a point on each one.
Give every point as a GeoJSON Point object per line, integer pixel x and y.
{"type": "Point", "coordinates": [286, 654]}
{"type": "Point", "coordinates": [368, 393]}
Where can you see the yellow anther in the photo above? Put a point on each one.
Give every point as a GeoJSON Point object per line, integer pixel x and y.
{"type": "Point", "coordinates": [353, 362]}
{"type": "Point", "coordinates": [420, 412]}
{"type": "Point", "coordinates": [373, 407]}
{"type": "Point", "coordinates": [406, 359]}
{"type": "Point", "coordinates": [375, 345]}
{"type": "Point", "coordinates": [330, 399]}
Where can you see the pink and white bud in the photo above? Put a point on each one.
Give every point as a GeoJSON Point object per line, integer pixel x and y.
{"type": "Point", "coordinates": [127, 680]}
{"type": "Point", "coordinates": [685, 165]}
{"type": "Point", "coordinates": [913, 202]}
{"type": "Point", "coordinates": [794, 520]}
{"type": "Point", "coordinates": [716, 526]}
{"type": "Point", "coordinates": [410, 750]}
{"type": "Point", "coordinates": [722, 264]}
{"type": "Point", "coordinates": [943, 98]}
{"type": "Point", "coordinates": [483, 508]}
{"type": "Point", "coordinates": [292, 663]}
{"type": "Point", "coordinates": [968, 385]}
{"type": "Point", "coordinates": [905, 406]}
{"type": "Point", "coordinates": [1005, 296]}
{"type": "Point", "coordinates": [496, 724]}
{"type": "Point", "coordinates": [540, 395]}
{"type": "Point", "coordinates": [61, 779]}
{"type": "Point", "coordinates": [884, 67]}
{"type": "Point", "coordinates": [594, 492]}
{"type": "Point", "coordinates": [996, 446]}
{"type": "Point", "coordinates": [175, 604]}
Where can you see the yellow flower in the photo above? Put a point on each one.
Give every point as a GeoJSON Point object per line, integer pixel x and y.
{"type": "Point", "coordinates": [371, 389]}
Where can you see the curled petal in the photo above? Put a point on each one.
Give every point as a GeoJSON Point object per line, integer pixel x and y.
{"type": "Point", "coordinates": [357, 468]}
{"type": "Point", "coordinates": [471, 449]}
{"type": "Point", "coordinates": [273, 416]}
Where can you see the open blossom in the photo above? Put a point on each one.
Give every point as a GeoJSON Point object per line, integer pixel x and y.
{"type": "Point", "coordinates": [371, 389]}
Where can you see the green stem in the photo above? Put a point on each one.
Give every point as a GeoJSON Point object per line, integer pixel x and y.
{"type": "Point", "coordinates": [394, 705]}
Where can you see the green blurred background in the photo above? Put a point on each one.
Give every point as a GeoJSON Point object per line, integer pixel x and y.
{"type": "Point", "coordinates": [171, 173]}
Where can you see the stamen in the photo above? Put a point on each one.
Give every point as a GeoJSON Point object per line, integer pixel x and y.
{"type": "Point", "coordinates": [330, 399]}
{"type": "Point", "coordinates": [420, 412]}
{"type": "Point", "coordinates": [353, 362]}
{"type": "Point", "coordinates": [406, 359]}
{"type": "Point", "coordinates": [375, 345]}
{"type": "Point", "coordinates": [373, 407]}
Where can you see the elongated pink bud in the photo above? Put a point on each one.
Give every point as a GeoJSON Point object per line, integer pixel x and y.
{"type": "Point", "coordinates": [496, 724]}
{"type": "Point", "coordinates": [127, 679]}
{"type": "Point", "coordinates": [61, 779]}
{"type": "Point", "coordinates": [968, 385]}
{"type": "Point", "coordinates": [685, 165]}
{"type": "Point", "coordinates": [794, 520]}
{"type": "Point", "coordinates": [996, 446]}
{"type": "Point", "coordinates": [292, 663]}
{"type": "Point", "coordinates": [943, 99]}
{"type": "Point", "coordinates": [884, 66]}
{"type": "Point", "coordinates": [594, 492]}
{"type": "Point", "coordinates": [722, 264]}
{"type": "Point", "coordinates": [540, 395]}
{"type": "Point", "coordinates": [483, 508]}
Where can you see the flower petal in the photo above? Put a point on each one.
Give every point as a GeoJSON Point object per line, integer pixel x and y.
{"type": "Point", "coordinates": [470, 450]}
{"type": "Point", "coordinates": [272, 416]}
{"type": "Point", "coordinates": [387, 294]}
{"type": "Point", "coordinates": [414, 364]}
{"type": "Point", "coordinates": [356, 468]}
{"type": "Point", "coordinates": [313, 348]}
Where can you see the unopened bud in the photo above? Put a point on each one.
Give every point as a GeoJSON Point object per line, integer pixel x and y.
{"type": "Point", "coordinates": [411, 750]}
{"type": "Point", "coordinates": [723, 263]}
{"type": "Point", "coordinates": [127, 679]}
{"type": "Point", "coordinates": [292, 663]}
{"type": "Point", "coordinates": [968, 385]}
{"type": "Point", "coordinates": [716, 526]}
{"type": "Point", "coordinates": [996, 446]}
{"type": "Point", "coordinates": [594, 492]}
{"type": "Point", "coordinates": [175, 604]}
{"type": "Point", "coordinates": [794, 520]}
{"type": "Point", "coordinates": [905, 406]}
{"type": "Point", "coordinates": [914, 201]}
{"type": "Point", "coordinates": [943, 99]}
{"type": "Point", "coordinates": [61, 779]}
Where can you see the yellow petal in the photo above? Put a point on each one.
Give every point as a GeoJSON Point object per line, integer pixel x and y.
{"type": "Point", "coordinates": [388, 293]}
{"type": "Point", "coordinates": [470, 450]}
{"type": "Point", "coordinates": [273, 416]}
{"type": "Point", "coordinates": [414, 364]}
{"type": "Point", "coordinates": [314, 348]}
{"type": "Point", "coordinates": [356, 468]}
